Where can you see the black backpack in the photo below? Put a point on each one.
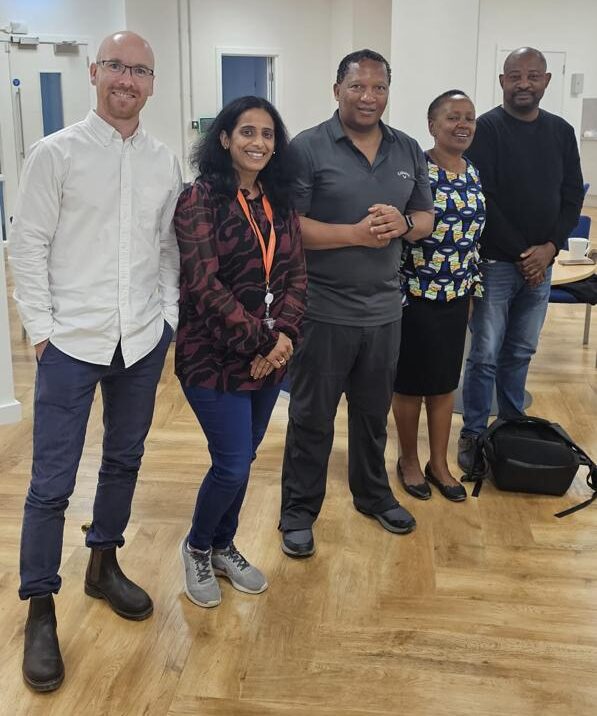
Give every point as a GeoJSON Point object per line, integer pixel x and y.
{"type": "Point", "coordinates": [531, 455]}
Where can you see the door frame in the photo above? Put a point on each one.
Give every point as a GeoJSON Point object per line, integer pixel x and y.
{"type": "Point", "coordinates": [275, 82]}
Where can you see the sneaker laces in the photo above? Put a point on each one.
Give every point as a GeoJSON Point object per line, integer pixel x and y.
{"type": "Point", "coordinates": [202, 562]}
{"type": "Point", "coordinates": [236, 557]}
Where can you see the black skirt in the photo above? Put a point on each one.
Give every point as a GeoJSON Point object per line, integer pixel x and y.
{"type": "Point", "coordinates": [432, 346]}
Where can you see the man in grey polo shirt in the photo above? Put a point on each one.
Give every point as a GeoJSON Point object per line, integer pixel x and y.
{"type": "Point", "coordinates": [360, 187]}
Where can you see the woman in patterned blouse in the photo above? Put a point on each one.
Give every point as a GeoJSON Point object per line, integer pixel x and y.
{"type": "Point", "coordinates": [242, 289]}
{"type": "Point", "coordinates": [439, 275]}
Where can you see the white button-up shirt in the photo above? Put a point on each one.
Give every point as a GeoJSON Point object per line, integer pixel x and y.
{"type": "Point", "coordinates": [92, 245]}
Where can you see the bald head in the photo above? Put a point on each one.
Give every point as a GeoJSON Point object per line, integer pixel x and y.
{"type": "Point", "coordinates": [123, 79]}
{"type": "Point", "coordinates": [521, 53]}
{"type": "Point", "coordinates": [112, 46]}
{"type": "Point", "coordinates": [524, 82]}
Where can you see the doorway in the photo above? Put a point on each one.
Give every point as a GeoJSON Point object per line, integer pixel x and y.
{"type": "Point", "coordinates": [246, 72]}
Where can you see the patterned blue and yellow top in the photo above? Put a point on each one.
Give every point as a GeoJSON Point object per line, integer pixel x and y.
{"type": "Point", "coordinates": [443, 266]}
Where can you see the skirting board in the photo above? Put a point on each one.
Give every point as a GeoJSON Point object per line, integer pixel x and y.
{"type": "Point", "coordinates": [10, 412]}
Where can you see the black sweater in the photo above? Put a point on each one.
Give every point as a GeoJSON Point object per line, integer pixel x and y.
{"type": "Point", "coordinates": [531, 177]}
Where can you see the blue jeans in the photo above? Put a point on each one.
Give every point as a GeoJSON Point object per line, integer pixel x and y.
{"type": "Point", "coordinates": [234, 425]}
{"type": "Point", "coordinates": [505, 327]}
{"type": "Point", "coordinates": [64, 390]}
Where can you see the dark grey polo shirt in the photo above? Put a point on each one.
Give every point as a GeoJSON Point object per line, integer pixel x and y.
{"type": "Point", "coordinates": [335, 183]}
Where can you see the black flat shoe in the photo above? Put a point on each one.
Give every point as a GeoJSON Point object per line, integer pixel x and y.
{"type": "Point", "coordinates": [422, 491]}
{"type": "Point", "coordinates": [456, 493]}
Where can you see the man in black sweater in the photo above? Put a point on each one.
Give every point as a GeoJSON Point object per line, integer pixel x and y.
{"type": "Point", "coordinates": [530, 171]}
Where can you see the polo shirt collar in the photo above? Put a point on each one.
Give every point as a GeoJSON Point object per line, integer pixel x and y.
{"type": "Point", "coordinates": [338, 132]}
{"type": "Point", "coordinates": [106, 133]}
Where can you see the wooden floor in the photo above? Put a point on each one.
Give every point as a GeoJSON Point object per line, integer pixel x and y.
{"type": "Point", "coordinates": [489, 607]}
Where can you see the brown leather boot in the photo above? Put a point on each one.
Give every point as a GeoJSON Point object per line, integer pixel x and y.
{"type": "Point", "coordinates": [105, 580]}
{"type": "Point", "coordinates": [43, 669]}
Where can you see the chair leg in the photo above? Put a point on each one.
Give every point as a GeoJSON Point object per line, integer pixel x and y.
{"type": "Point", "coordinates": [585, 338]}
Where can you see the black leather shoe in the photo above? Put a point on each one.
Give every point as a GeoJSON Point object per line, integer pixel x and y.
{"type": "Point", "coordinates": [396, 519]}
{"type": "Point", "coordinates": [422, 491]}
{"type": "Point", "coordinates": [43, 669]}
{"type": "Point", "coordinates": [105, 580]}
{"type": "Point", "coordinates": [298, 543]}
{"type": "Point", "coordinates": [456, 493]}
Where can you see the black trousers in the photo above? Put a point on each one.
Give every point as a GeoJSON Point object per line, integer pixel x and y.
{"type": "Point", "coordinates": [331, 360]}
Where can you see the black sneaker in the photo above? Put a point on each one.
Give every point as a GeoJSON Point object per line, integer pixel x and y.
{"type": "Point", "coordinates": [298, 543]}
{"type": "Point", "coordinates": [397, 519]}
{"type": "Point", "coordinates": [467, 448]}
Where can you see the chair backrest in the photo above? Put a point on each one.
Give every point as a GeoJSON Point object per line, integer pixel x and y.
{"type": "Point", "coordinates": [582, 229]}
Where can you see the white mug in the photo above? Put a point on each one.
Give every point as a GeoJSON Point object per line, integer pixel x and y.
{"type": "Point", "coordinates": [578, 248]}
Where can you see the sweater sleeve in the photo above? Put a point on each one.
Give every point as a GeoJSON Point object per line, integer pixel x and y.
{"type": "Point", "coordinates": [225, 317]}
{"type": "Point", "coordinates": [291, 316]}
{"type": "Point", "coordinates": [572, 193]}
{"type": "Point", "coordinates": [484, 154]}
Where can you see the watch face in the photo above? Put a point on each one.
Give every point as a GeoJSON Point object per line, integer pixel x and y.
{"type": "Point", "coordinates": [409, 222]}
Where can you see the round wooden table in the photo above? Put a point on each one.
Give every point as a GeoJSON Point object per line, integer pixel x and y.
{"type": "Point", "coordinates": [569, 274]}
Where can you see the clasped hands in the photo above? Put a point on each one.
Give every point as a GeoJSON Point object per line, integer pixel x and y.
{"type": "Point", "coordinates": [534, 261]}
{"type": "Point", "coordinates": [382, 224]}
{"type": "Point", "coordinates": [281, 353]}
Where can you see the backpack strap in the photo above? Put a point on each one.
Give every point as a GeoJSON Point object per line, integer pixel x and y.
{"type": "Point", "coordinates": [592, 483]}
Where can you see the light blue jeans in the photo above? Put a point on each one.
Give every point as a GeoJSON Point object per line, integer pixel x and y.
{"type": "Point", "coordinates": [505, 328]}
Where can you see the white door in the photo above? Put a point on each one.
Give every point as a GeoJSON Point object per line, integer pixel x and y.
{"type": "Point", "coordinates": [554, 94]}
{"type": "Point", "coordinates": [49, 86]}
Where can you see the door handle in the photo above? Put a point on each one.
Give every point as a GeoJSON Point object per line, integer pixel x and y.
{"type": "Point", "coordinates": [21, 131]}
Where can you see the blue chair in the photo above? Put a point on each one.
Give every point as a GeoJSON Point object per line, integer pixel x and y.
{"type": "Point", "coordinates": [560, 295]}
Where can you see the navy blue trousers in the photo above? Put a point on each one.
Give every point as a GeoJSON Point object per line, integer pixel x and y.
{"type": "Point", "coordinates": [64, 391]}
{"type": "Point", "coordinates": [234, 425]}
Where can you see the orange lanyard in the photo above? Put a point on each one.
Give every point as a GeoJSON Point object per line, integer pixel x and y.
{"type": "Point", "coordinates": [268, 254]}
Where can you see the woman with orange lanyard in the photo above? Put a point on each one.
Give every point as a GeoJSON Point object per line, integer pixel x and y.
{"type": "Point", "coordinates": [242, 289]}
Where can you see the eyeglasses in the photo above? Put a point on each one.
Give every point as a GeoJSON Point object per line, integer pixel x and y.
{"type": "Point", "coordinates": [119, 68]}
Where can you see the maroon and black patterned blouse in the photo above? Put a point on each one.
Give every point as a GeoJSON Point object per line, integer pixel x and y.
{"type": "Point", "coordinates": [222, 287]}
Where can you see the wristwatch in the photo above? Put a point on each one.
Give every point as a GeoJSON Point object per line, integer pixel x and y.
{"type": "Point", "coordinates": [409, 223]}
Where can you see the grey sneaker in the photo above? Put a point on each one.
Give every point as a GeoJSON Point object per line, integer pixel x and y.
{"type": "Point", "coordinates": [231, 564]}
{"type": "Point", "coordinates": [200, 583]}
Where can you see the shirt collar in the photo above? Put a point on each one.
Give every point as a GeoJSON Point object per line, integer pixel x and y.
{"type": "Point", "coordinates": [106, 133]}
{"type": "Point", "coordinates": [338, 132]}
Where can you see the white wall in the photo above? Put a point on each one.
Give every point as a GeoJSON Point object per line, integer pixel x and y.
{"type": "Point", "coordinates": [298, 31]}
{"type": "Point", "coordinates": [158, 23]}
{"type": "Point", "coordinates": [89, 18]}
{"type": "Point", "coordinates": [434, 48]}
{"type": "Point", "coordinates": [549, 25]}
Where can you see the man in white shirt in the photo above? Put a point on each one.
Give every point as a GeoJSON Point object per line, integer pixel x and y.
{"type": "Point", "coordinates": [96, 268]}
